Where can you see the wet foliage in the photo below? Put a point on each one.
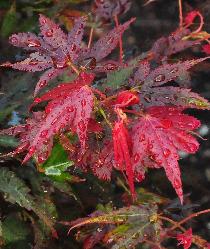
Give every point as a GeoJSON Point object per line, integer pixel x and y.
{"type": "Point", "coordinates": [97, 118]}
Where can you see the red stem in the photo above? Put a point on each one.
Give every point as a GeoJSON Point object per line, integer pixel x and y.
{"type": "Point", "coordinates": [90, 37]}
{"type": "Point", "coordinates": [180, 14]}
{"type": "Point", "coordinates": [120, 41]}
{"type": "Point", "coordinates": [189, 218]}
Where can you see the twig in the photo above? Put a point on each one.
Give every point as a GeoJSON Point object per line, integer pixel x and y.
{"type": "Point", "coordinates": [120, 41]}
{"type": "Point", "coordinates": [90, 37]}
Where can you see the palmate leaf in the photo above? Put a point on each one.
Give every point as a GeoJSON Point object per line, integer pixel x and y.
{"type": "Point", "coordinates": [153, 93]}
{"type": "Point", "coordinates": [56, 51]}
{"type": "Point", "coordinates": [158, 136]}
{"type": "Point", "coordinates": [122, 228]}
{"type": "Point", "coordinates": [160, 96]}
{"type": "Point", "coordinates": [105, 45]}
{"type": "Point", "coordinates": [185, 239]}
{"type": "Point", "coordinates": [67, 112]}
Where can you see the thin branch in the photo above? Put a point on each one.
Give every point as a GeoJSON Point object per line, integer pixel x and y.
{"type": "Point", "coordinates": [180, 14]}
{"type": "Point", "coordinates": [189, 218]}
{"type": "Point", "coordinates": [90, 37]}
{"type": "Point", "coordinates": [120, 40]}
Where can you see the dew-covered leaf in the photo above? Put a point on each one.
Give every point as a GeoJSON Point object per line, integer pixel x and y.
{"type": "Point", "coordinates": [105, 45]}
{"type": "Point", "coordinates": [122, 228]}
{"type": "Point", "coordinates": [160, 96]}
{"type": "Point", "coordinates": [168, 72]}
{"type": "Point", "coordinates": [159, 135]}
{"type": "Point", "coordinates": [35, 62]}
{"type": "Point", "coordinates": [122, 145]}
{"type": "Point", "coordinates": [185, 239]}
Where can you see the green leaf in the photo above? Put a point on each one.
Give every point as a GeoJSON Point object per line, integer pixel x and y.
{"type": "Point", "coordinates": [118, 78]}
{"type": "Point", "coordinates": [9, 21]}
{"type": "Point", "coordinates": [57, 163]}
{"type": "Point", "coordinates": [16, 191]}
{"type": "Point", "coordinates": [8, 141]}
{"type": "Point", "coordinates": [14, 230]}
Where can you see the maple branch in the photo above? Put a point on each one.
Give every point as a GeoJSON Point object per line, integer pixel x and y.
{"type": "Point", "coordinates": [120, 40]}
{"type": "Point", "coordinates": [189, 218]}
{"type": "Point", "coordinates": [90, 37]}
{"type": "Point", "coordinates": [180, 14]}
{"type": "Point", "coordinates": [172, 222]}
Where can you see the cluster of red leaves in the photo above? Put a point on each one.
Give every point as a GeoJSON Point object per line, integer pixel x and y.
{"type": "Point", "coordinates": [148, 126]}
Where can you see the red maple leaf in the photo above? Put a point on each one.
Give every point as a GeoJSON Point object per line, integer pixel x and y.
{"type": "Point", "coordinates": [158, 136]}
{"type": "Point", "coordinates": [69, 112]}
{"type": "Point", "coordinates": [56, 51]}
{"type": "Point", "coordinates": [122, 152]}
{"type": "Point", "coordinates": [185, 239]}
{"type": "Point", "coordinates": [152, 94]}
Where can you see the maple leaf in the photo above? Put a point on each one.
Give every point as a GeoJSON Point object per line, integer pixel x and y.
{"type": "Point", "coordinates": [122, 145]}
{"type": "Point", "coordinates": [106, 44]}
{"type": "Point", "coordinates": [106, 10]}
{"type": "Point", "coordinates": [69, 112]}
{"type": "Point", "coordinates": [158, 136]}
{"type": "Point", "coordinates": [174, 43]}
{"type": "Point", "coordinates": [185, 238]}
{"type": "Point", "coordinates": [151, 80]}
{"type": "Point", "coordinates": [160, 96]}
{"type": "Point", "coordinates": [56, 51]}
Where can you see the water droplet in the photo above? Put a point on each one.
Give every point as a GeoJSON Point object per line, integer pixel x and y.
{"type": "Point", "coordinates": [33, 43]}
{"type": "Point", "coordinates": [48, 109]}
{"type": "Point", "coordinates": [174, 70]}
{"type": "Point", "coordinates": [37, 100]}
{"type": "Point", "coordinates": [42, 83]}
{"type": "Point", "coordinates": [150, 146]}
{"type": "Point", "coordinates": [13, 40]}
{"type": "Point", "coordinates": [166, 152]}
{"type": "Point", "coordinates": [110, 66]}
{"type": "Point", "coordinates": [166, 123]}
{"type": "Point", "coordinates": [70, 109]}
{"type": "Point", "coordinates": [83, 113]}
{"type": "Point", "coordinates": [136, 158]}
{"type": "Point", "coordinates": [49, 33]}
{"type": "Point", "coordinates": [44, 133]}
{"type": "Point", "coordinates": [177, 184]}
{"type": "Point", "coordinates": [32, 150]}
{"type": "Point", "coordinates": [142, 138]}
{"type": "Point", "coordinates": [192, 148]}
{"type": "Point", "coordinates": [83, 102]}
{"type": "Point", "coordinates": [50, 75]}
{"type": "Point", "coordinates": [82, 125]}
{"type": "Point", "coordinates": [160, 78]}
{"type": "Point", "coordinates": [73, 47]}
